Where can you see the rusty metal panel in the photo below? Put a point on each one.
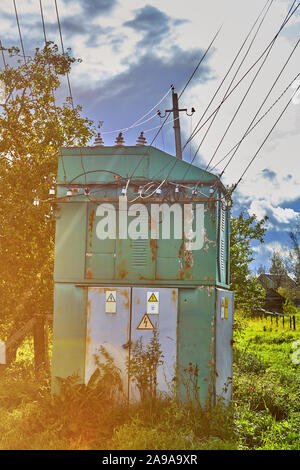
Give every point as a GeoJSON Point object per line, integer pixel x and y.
{"type": "Point", "coordinates": [165, 323]}
{"type": "Point", "coordinates": [224, 332]}
{"type": "Point", "coordinates": [69, 332]}
{"type": "Point", "coordinates": [110, 330]}
{"type": "Point", "coordinates": [70, 242]}
{"type": "Point", "coordinates": [81, 257]}
{"type": "Point", "coordinates": [100, 254]}
{"type": "Point", "coordinates": [135, 259]}
{"type": "Point", "coordinates": [139, 260]}
{"type": "Point", "coordinates": [196, 335]}
{"type": "Point", "coordinates": [100, 266]}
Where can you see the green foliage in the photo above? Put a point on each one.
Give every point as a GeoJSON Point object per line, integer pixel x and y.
{"type": "Point", "coordinates": [249, 294]}
{"type": "Point", "coordinates": [278, 270]}
{"type": "Point", "coordinates": [172, 425]}
{"type": "Point", "coordinates": [107, 375]}
{"type": "Point", "coordinates": [264, 413]}
{"type": "Point", "coordinates": [289, 308]}
{"type": "Point", "coordinates": [80, 417]}
{"type": "Point", "coordinates": [266, 386]}
{"type": "Point", "coordinates": [278, 267]}
{"type": "Point", "coordinates": [260, 431]}
{"type": "Point", "coordinates": [143, 364]}
{"type": "Point", "coordinates": [249, 361]}
{"type": "Point", "coordinates": [294, 263]}
{"type": "Point", "coordinates": [32, 129]}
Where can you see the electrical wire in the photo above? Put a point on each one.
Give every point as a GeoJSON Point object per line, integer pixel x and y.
{"type": "Point", "coordinates": [227, 73]}
{"type": "Point", "coordinates": [43, 23]}
{"type": "Point", "coordinates": [242, 101]}
{"type": "Point", "coordinates": [256, 124]}
{"type": "Point", "coordinates": [55, 107]}
{"type": "Point", "coordinates": [233, 79]}
{"type": "Point", "coordinates": [242, 78]}
{"type": "Point", "coordinates": [265, 139]}
{"type": "Point", "coordinates": [199, 63]}
{"type": "Point", "coordinates": [247, 72]}
{"type": "Point", "coordinates": [19, 29]}
{"type": "Point", "coordinates": [157, 127]}
{"type": "Point", "coordinates": [63, 51]}
{"type": "Point", "coordinates": [265, 99]}
{"type": "Point", "coordinates": [133, 126]}
{"type": "Point", "coordinates": [3, 56]}
{"type": "Point", "coordinates": [68, 78]}
{"type": "Point", "coordinates": [167, 117]}
{"type": "Point", "coordinates": [138, 123]}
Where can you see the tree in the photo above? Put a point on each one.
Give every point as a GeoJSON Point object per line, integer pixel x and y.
{"type": "Point", "coordinates": [295, 253]}
{"type": "Point", "coordinates": [32, 129]}
{"type": "Point", "coordinates": [249, 294]}
{"type": "Point", "coordinates": [261, 269]}
{"type": "Point", "coordinates": [278, 269]}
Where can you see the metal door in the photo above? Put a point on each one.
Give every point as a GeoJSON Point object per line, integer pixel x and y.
{"type": "Point", "coordinates": [108, 320]}
{"type": "Point", "coordinates": [224, 331]}
{"type": "Point", "coordinates": [111, 311]}
{"type": "Point", "coordinates": [165, 322]}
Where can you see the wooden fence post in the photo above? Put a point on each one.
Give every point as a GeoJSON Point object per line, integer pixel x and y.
{"type": "Point", "coordinates": [294, 322]}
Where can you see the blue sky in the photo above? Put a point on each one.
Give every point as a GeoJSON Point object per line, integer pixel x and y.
{"type": "Point", "coordinates": [131, 53]}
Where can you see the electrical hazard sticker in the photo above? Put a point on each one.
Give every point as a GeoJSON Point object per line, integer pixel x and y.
{"type": "Point", "coordinates": [110, 301]}
{"type": "Point", "coordinates": [152, 302]}
{"type": "Point", "coordinates": [224, 307]}
{"type": "Point", "coordinates": [146, 323]}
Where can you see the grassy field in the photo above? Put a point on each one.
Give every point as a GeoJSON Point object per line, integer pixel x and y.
{"type": "Point", "coordinates": [264, 413]}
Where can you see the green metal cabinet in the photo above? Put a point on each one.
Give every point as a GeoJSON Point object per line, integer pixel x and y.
{"type": "Point", "coordinates": [86, 267]}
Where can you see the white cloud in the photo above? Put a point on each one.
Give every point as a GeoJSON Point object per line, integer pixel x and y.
{"type": "Point", "coordinates": [279, 155]}
{"type": "Point", "coordinates": [267, 249]}
{"type": "Point", "coordinates": [262, 208]}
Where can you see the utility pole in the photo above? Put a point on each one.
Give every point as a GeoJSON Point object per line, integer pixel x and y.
{"type": "Point", "coordinates": [176, 126]}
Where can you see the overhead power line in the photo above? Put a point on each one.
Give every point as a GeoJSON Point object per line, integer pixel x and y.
{"type": "Point", "coordinates": [3, 56]}
{"type": "Point", "coordinates": [229, 70]}
{"type": "Point", "coordinates": [139, 122]}
{"type": "Point", "coordinates": [288, 17]}
{"type": "Point", "coordinates": [242, 101]}
{"type": "Point", "coordinates": [167, 117]}
{"type": "Point", "coordinates": [199, 63]}
{"type": "Point", "coordinates": [230, 84]}
{"type": "Point", "coordinates": [125, 129]}
{"type": "Point", "coordinates": [250, 129]}
{"type": "Point", "coordinates": [286, 20]}
{"type": "Point", "coordinates": [19, 29]}
{"type": "Point", "coordinates": [266, 138]}
{"type": "Point", "coordinates": [63, 51]}
{"type": "Point", "coordinates": [263, 102]}
{"type": "Point", "coordinates": [43, 22]}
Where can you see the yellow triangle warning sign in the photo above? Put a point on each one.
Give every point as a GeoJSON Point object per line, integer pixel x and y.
{"type": "Point", "coordinates": [146, 323]}
{"type": "Point", "coordinates": [152, 298]}
{"type": "Point", "coordinates": [110, 298]}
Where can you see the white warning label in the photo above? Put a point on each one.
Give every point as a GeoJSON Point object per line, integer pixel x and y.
{"type": "Point", "coordinates": [153, 302]}
{"type": "Point", "coordinates": [110, 301]}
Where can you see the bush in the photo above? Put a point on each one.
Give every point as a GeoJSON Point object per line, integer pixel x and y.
{"type": "Point", "coordinates": [172, 425]}
{"type": "Point", "coordinates": [249, 362]}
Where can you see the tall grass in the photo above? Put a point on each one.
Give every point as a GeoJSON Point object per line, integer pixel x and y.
{"type": "Point", "coordinates": [264, 413]}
